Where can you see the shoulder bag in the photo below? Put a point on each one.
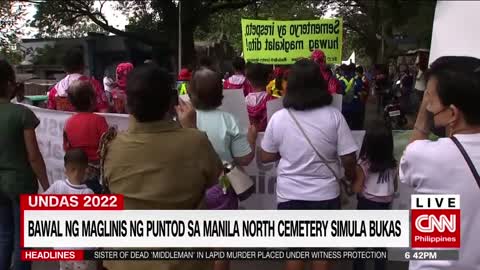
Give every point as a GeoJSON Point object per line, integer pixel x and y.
{"type": "Point", "coordinates": [344, 184]}
{"type": "Point", "coordinates": [107, 137]}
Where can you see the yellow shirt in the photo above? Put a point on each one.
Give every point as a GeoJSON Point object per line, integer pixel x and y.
{"type": "Point", "coordinates": [272, 89]}
{"type": "Point", "coordinates": [159, 165]}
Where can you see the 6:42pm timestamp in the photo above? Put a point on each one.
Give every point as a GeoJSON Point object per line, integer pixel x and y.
{"type": "Point", "coordinates": [421, 255]}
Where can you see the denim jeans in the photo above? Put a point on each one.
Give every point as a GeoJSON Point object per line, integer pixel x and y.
{"type": "Point", "coordinates": [10, 237]}
{"type": "Point", "coordinates": [310, 205]}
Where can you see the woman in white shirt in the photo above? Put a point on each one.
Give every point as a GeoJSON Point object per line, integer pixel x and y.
{"type": "Point", "coordinates": [304, 180]}
{"type": "Point", "coordinates": [439, 167]}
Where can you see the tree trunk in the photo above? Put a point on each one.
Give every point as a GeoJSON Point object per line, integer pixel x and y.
{"type": "Point", "coordinates": [374, 46]}
{"type": "Point", "coordinates": [170, 25]}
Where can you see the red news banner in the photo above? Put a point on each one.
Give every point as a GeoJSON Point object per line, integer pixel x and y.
{"type": "Point", "coordinates": [435, 221]}
{"type": "Point", "coordinates": [41, 202]}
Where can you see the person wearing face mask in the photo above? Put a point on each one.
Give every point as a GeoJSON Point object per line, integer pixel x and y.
{"type": "Point", "coordinates": [449, 165]}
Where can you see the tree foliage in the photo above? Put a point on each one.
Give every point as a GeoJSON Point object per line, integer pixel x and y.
{"type": "Point", "coordinates": [228, 23]}
{"type": "Point", "coordinates": [77, 30]}
{"type": "Point", "coordinates": [10, 15]}
{"type": "Point", "coordinates": [49, 55]}
{"type": "Point", "coordinates": [152, 22]}
{"type": "Point", "coordinates": [155, 22]}
{"type": "Point", "coordinates": [367, 22]}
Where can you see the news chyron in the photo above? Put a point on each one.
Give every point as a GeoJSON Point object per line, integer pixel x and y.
{"type": "Point", "coordinates": [98, 227]}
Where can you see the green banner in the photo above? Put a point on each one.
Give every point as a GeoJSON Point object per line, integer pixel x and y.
{"type": "Point", "coordinates": [284, 42]}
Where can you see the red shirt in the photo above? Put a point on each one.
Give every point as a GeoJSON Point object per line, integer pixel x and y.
{"type": "Point", "coordinates": [84, 131]}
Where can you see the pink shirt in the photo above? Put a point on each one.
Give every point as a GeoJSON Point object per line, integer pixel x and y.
{"type": "Point", "coordinates": [238, 81]}
{"type": "Point", "coordinates": [257, 109]}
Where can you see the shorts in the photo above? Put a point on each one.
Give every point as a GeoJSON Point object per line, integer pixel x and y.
{"type": "Point", "coordinates": [333, 204]}
{"type": "Point", "coordinates": [78, 265]}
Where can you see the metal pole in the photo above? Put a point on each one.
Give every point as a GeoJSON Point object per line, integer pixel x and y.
{"type": "Point", "coordinates": [179, 35]}
{"type": "Point", "coordinates": [383, 44]}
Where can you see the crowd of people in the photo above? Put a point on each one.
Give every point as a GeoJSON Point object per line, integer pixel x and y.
{"type": "Point", "coordinates": [260, 84]}
{"type": "Point", "coordinates": [174, 152]}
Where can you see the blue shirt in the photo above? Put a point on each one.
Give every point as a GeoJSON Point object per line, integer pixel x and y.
{"type": "Point", "coordinates": [224, 134]}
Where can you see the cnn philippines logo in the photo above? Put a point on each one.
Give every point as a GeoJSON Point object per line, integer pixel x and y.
{"type": "Point", "coordinates": [435, 221]}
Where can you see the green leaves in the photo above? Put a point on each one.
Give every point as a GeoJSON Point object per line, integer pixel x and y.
{"type": "Point", "coordinates": [227, 23]}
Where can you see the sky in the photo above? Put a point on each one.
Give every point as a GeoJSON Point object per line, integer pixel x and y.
{"type": "Point", "coordinates": [114, 17]}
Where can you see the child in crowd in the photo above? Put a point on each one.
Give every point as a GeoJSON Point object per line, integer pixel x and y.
{"type": "Point", "coordinates": [119, 97]}
{"type": "Point", "coordinates": [376, 179]}
{"type": "Point", "coordinates": [84, 129]}
{"type": "Point", "coordinates": [257, 100]}
{"type": "Point", "coordinates": [238, 79]}
{"type": "Point", "coordinates": [76, 165]}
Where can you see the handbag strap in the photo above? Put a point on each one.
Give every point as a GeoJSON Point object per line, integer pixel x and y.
{"type": "Point", "coordinates": [324, 160]}
{"type": "Point", "coordinates": [467, 159]}
{"type": "Point", "coordinates": [105, 141]}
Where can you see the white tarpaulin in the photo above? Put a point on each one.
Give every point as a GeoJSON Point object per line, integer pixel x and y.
{"type": "Point", "coordinates": [50, 139]}
{"type": "Point", "coordinates": [455, 30]}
